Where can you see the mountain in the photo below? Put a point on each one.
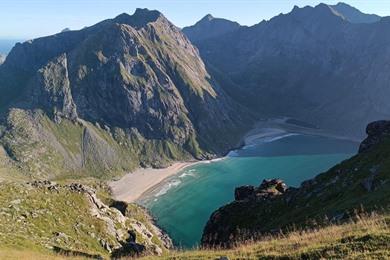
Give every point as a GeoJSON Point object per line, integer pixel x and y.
{"type": "Point", "coordinates": [310, 64]}
{"type": "Point", "coordinates": [127, 92]}
{"type": "Point", "coordinates": [2, 58]}
{"type": "Point", "coordinates": [361, 183]}
{"type": "Point", "coordinates": [65, 29]}
{"type": "Point", "coordinates": [353, 15]}
{"type": "Point", "coordinates": [209, 27]}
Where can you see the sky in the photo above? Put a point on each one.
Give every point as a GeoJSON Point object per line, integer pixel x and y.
{"type": "Point", "coordinates": [27, 19]}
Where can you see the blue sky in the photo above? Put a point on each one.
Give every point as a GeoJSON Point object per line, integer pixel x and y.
{"type": "Point", "coordinates": [24, 19]}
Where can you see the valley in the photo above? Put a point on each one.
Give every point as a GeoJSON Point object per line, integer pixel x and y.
{"type": "Point", "coordinates": [132, 137]}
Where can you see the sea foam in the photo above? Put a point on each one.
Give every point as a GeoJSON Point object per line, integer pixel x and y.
{"type": "Point", "coordinates": [169, 185]}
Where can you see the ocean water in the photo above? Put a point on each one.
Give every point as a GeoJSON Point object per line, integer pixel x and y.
{"type": "Point", "coordinates": [184, 203]}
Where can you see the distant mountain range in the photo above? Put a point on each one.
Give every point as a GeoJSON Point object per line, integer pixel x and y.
{"type": "Point", "coordinates": [324, 64]}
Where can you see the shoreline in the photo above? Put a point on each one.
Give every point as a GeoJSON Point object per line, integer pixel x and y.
{"type": "Point", "coordinates": [133, 185]}
{"type": "Point", "coordinates": [136, 185]}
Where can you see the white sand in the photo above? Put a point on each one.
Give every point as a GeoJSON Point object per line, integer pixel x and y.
{"type": "Point", "coordinates": [131, 186]}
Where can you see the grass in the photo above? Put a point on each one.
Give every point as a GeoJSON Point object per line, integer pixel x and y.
{"type": "Point", "coordinates": [45, 221]}
{"type": "Point", "coordinates": [366, 237]}
{"type": "Point", "coordinates": [12, 254]}
{"type": "Point", "coordinates": [36, 147]}
{"type": "Point", "coordinates": [33, 218]}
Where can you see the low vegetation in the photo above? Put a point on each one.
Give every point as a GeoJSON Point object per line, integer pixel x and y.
{"type": "Point", "coordinates": [71, 219]}
{"type": "Point", "coordinates": [365, 237]}
{"type": "Point", "coordinates": [34, 147]}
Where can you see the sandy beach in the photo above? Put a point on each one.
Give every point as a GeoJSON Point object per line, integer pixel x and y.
{"type": "Point", "coordinates": [131, 186]}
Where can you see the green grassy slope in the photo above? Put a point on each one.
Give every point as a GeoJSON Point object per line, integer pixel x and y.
{"type": "Point", "coordinates": [49, 218]}
{"type": "Point", "coordinates": [39, 148]}
{"type": "Point", "coordinates": [367, 237]}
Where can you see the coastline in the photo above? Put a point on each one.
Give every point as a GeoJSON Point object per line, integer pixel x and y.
{"type": "Point", "coordinates": [130, 187]}
{"type": "Point", "coordinates": [138, 184]}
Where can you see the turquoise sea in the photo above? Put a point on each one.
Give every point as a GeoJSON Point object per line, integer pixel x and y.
{"type": "Point", "coordinates": [183, 204]}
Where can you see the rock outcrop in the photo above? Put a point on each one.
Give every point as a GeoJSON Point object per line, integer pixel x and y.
{"type": "Point", "coordinates": [268, 189]}
{"type": "Point", "coordinates": [376, 132]}
{"type": "Point", "coordinates": [359, 183]}
{"type": "Point", "coordinates": [124, 234]}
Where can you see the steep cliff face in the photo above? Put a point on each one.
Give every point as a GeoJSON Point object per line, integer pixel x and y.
{"type": "Point", "coordinates": [135, 80]}
{"type": "Point", "coordinates": [360, 182]}
{"type": "Point", "coordinates": [311, 63]}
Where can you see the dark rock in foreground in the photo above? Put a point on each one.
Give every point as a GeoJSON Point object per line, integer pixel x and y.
{"type": "Point", "coordinates": [267, 189]}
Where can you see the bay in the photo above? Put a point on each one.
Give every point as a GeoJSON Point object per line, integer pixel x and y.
{"type": "Point", "coordinates": [183, 204]}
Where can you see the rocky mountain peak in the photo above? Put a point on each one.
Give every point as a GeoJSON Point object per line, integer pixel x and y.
{"type": "Point", "coordinates": [321, 12]}
{"type": "Point", "coordinates": [137, 75]}
{"type": "Point", "coordinates": [140, 18]}
{"type": "Point", "coordinates": [354, 15]}
{"type": "Point", "coordinates": [65, 30]}
{"type": "Point", "coordinates": [209, 27]}
{"type": "Point", "coordinates": [207, 18]}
